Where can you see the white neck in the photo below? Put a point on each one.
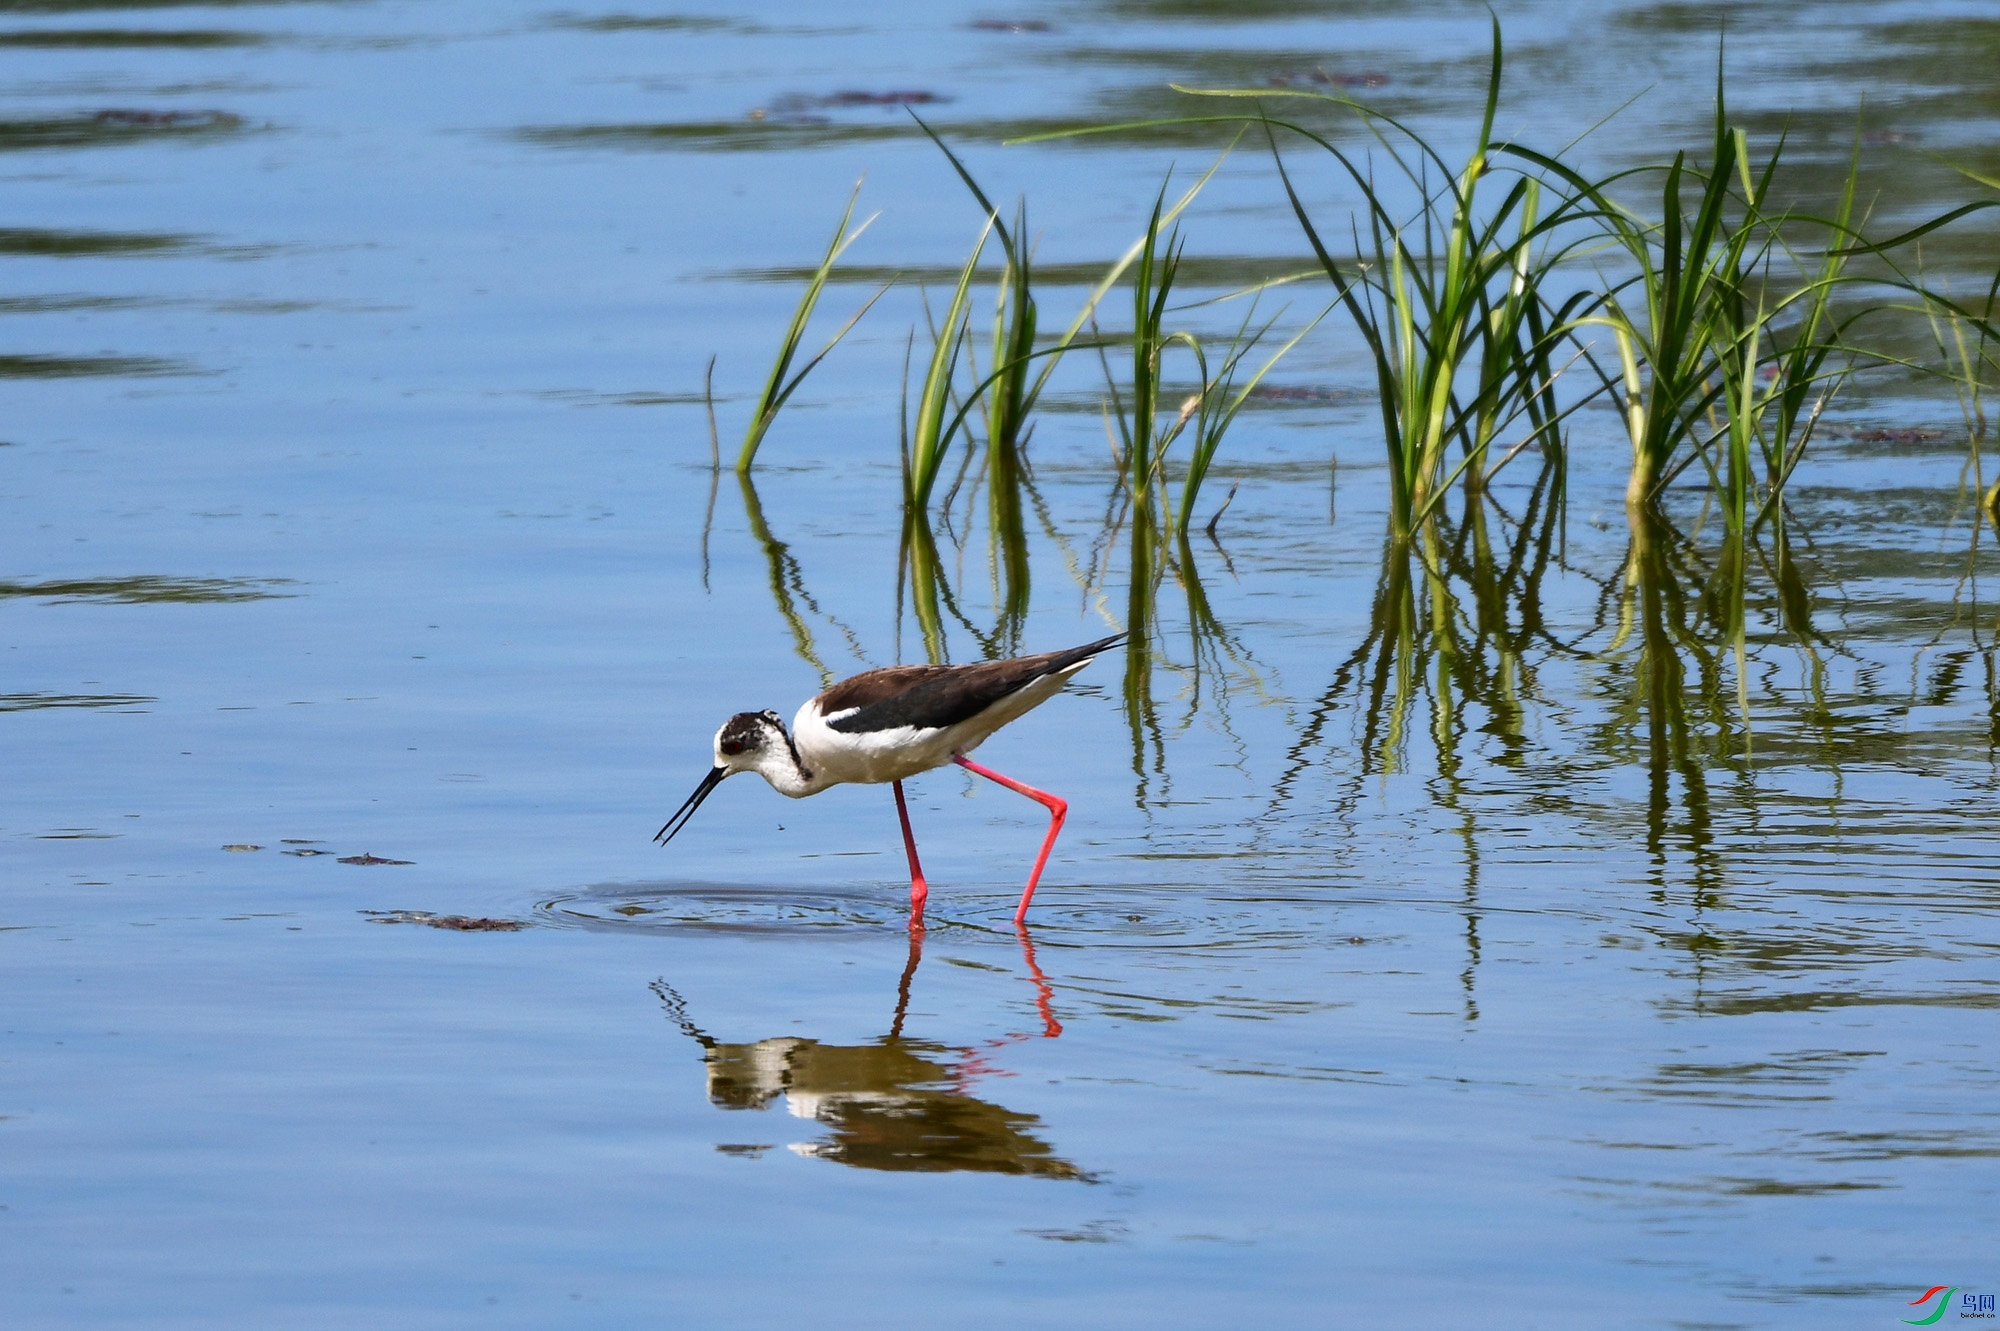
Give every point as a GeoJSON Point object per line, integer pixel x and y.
{"type": "Point", "coordinates": [774, 762]}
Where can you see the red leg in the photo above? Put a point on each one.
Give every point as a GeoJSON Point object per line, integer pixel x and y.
{"type": "Point", "coordinates": [919, 890]}
{"type": "Point", "coordinates": [1058, 810]}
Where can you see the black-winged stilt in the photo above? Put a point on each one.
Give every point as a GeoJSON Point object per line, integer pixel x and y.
{"type": "Point", "coordinates": [893, 723]}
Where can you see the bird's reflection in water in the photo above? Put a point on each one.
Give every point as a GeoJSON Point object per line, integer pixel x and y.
{"type": "Point", "coordinates": [896, 1103]}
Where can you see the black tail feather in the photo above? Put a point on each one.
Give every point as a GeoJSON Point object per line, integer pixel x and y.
{"type": "Point", "coordinates": [1064, 660]}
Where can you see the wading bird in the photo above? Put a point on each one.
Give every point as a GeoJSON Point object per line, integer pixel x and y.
{"type": "Point", "coordinates": [893, 723]}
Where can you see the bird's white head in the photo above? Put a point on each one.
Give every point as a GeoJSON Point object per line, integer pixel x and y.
{"type": "Point", "coordinates": [751, 742]}
{"type": "Point", "coordinates": [748, 742]}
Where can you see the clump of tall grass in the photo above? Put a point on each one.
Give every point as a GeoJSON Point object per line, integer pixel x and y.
{"type": "Point", "coordinates": [1783, 363]}
{"type": "Point", "coordinates": [1451, 303]}
{"type": "Point", "coordinates": [953, 396]}
{"type": "Point", "coordinates": [1007, 394]}
{"type": "Point", "coordinates": [1717, 363]}
{"type": "Point", "coordinates": [1145, 442]}
{"type": "Point", "coordinates": [1145, 437]}
{"type": "Point", "coordinates": [1670, 320]}
{"type": "Point", "coordinates": [1010, 393]}
{"type": "Point", "coordinates": [1472, 283]}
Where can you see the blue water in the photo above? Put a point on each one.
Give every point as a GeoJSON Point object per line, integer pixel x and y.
{"type": "Point", "coordinates": [364, 514]}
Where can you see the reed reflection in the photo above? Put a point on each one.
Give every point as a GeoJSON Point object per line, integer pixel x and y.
{"type": "Point", "coordinates": [1007, 483]}
{"type": "Point", "coordinates": [922, 576]}
{"type": "Point", "coordinates": [896, 1103]}
{"type": "Point", "coordinates": [1149, 745]}
{"type": "Point", "coordinates": [1456, 618]}
{"type": "Point", "coordinates": [1216, 654]}
{"type": "Point", "coordinates": [1456, 628]}
{"type": "Point", "coordinates": [1656, 603]}
{"type": "Point", "coordinates": [788, 588]}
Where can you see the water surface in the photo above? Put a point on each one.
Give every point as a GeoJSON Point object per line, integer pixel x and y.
{"type": "Point", "coordinates": [357, 603]}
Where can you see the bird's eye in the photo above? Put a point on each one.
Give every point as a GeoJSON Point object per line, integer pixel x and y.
{"type": "Point", "coordinates": [731, 747]}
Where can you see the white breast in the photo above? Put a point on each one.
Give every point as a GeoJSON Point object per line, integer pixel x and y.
{"type": "Point", "coordinates": [880, 755]}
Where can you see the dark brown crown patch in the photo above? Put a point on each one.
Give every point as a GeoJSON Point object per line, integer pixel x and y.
{"type": "Point", "coordinates": [743, 732]}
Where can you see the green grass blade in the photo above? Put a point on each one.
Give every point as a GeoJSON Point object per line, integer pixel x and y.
{"type": "Point", "coordinates": [777, 388]}
{"type": "Point", "coordinates": [931, 439]}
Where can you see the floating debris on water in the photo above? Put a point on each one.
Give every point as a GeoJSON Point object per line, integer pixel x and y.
{"type": "Point", "coordinates": [305, 852]}
{"type": "Point", "coordinates": [241, 847]}
{"type": "Point", "coordinates": [371, 859]}
{"type": "Point", "coordinates": [1912, 436]}
{"type": "Point", "coordinates": [1301, 393]}
{"type": "Point", "coordinates": [799, 108]}
{"type": "Point", "coordinates": [465, 924]}
{"type": "Point", "coordinates": [852, 97]}
{"type": "Point", "coordinates": [1010, 25]}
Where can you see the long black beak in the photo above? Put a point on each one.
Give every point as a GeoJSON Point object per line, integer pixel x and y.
{"type": "Point", "coordinates": [686, 811]}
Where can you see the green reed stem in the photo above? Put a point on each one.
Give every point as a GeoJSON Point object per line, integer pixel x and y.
{"type": "Point", "coordinates": [778, 388]}
{"type": "Point", "coordinates": [931, 439]}
{"type": "Point", "coordinates": [1152, 282]}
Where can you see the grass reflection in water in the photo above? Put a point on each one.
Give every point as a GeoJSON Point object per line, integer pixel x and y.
{"type": "Point", "coordinates": [148, 588]}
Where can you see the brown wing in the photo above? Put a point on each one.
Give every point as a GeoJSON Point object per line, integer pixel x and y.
{"type": "Point", "coordinates": [928, 697]}
{"type": "Point", "coordinates": [875, 686]}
